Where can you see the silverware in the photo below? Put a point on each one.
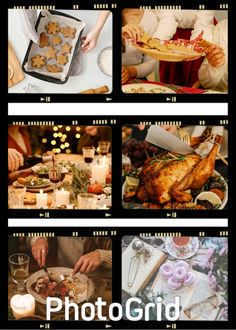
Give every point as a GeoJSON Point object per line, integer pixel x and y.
{"type": "Point", "coordinates": [54, 278]}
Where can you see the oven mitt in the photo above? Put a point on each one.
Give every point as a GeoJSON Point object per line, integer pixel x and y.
{"type": "Point", "coordinates": [28, 18]}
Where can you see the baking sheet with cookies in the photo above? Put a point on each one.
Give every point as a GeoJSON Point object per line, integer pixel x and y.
{"type": "Point", "coordinates": [59, 37]}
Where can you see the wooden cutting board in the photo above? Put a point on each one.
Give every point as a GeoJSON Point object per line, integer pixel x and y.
{"type": "Point", "coordinates": [15, 72]}
{"type": "Point", "coordinates": [145, 270]}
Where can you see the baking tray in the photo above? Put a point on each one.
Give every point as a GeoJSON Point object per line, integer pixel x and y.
{"type": "Point", "coordinates": [77, 46]}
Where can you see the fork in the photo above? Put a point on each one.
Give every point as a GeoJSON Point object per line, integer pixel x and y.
{"type": "Point", "coordinates": [184, 136]}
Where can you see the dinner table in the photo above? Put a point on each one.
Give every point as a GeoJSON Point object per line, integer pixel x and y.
{"type": "Point", "coordinates": [102, 288]}
{"type": "Point", "coordinates": [65, 184]}
{"type": "Point", "coordinates": [170, 87]}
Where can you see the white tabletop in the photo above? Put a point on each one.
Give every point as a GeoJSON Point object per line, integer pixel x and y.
{"type": "Point", "coordinates": [90, 76]}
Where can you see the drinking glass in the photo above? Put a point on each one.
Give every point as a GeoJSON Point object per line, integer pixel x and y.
{"type": "Point", "coordinates": [19, 265]}
{"type": "Point", "coordinates": [55, 174]}
{"type": "Point", "coordinates": [88, 154]}
{"type": "Point", "coordinates": [103, 147]}
{"type": "Point", "coordinates": [87, 201]}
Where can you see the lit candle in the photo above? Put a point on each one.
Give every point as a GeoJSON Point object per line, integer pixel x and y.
{"type": "Point", "coordinates": [105, 162]}
{"type": "Point", "coordinates": [41, 200]}
{"type": "Point", "coordinates": [22, 305]}
{"type": "Point", "coordinates": [99, 174]}
{"type": "Point", "coordinates": [62, 197]}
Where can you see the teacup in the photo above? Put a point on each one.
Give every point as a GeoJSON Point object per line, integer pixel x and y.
{"type": "Point", "coordinates": [181, 243]}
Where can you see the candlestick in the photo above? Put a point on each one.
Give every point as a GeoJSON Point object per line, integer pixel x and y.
{"type": "Point", "coordinates": [22, 305]}
{"type": "Point", "coordinates": [62, 197]}
{"type": "Point", "coordinates": [41, 200]}
{"type": "Point", "coordinates": [99, 174]}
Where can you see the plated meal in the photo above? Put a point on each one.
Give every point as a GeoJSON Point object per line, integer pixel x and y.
{"type": "Point", "coordinates": [77, 288]}
{"type": "Point", "coordinates": [167, 180]}
{"type": "Point", "coordinates": [145, 89]}
{"type": "Point", "coordinates": [58, 39]}
{"type": "Point", "coordinates": [171, 50]}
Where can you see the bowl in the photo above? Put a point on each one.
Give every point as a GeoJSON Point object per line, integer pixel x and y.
{"type": "Point", "coordinates": [104, 60]}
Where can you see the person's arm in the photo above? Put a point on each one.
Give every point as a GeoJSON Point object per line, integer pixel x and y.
{"type": "Point", "coordinates": [39, 249]}
{"type": "Point", "coordinates": [213, 72]}
{"type": "Point", "coordinates": [167, 25]}
{"type": "Point", "coordinates": [15, 159]}
{"type": "Point", "coordinates": [204, 22]}
{"type": "Point", "coordinates": [90, 41]}
{"type": "Point", "coordinates": [146, 67]}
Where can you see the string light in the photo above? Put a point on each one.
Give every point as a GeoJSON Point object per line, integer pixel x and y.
{"type": "Point", "coordinates": [64, 136]}
{"type": "Point", "coordinates": [55, 128]}
{"type": "Point", "coordinates": [77, 136]}
{"type": "Point", "coordinates": [53, 142]}
{"type": "Point", "coordinates": [60, 134]}
{"type": "Point", "coordinates": [68, 128]}
{"type": "Point", "coordinates": [44, 140]}
{"type": "Point", "coordinates": [62, 146]}
{"type": "Point", "coordinates": [77, 129]}
{"type": "Point", "coordinates": [67, 144]}
{"type": "Point", "coordinates": [55, 135]}
{"type": "Point", "coordinates": [68, 151]}
{"type": "Point", "coordinates": [59, 126]}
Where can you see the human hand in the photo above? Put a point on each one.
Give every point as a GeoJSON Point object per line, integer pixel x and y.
{"type": "Point", "coordinates": [125, 75]}
{"type": "Point", "coordinates": [15, 159]}
{"type": "Point", "coordinates": [88, 263]}
{"type": "Point", "coordinates": [40, 250]}
{"type": "Point", "coordinates": [133, 32]}
{"type": "Point", "coordinates": [90, 41]}
{"type": "Point", "coordinates": [215, 55]}
{"type": "Point", "coordinates": [91, 130]}
{"type": "Point", "coordinates": [169, 128]}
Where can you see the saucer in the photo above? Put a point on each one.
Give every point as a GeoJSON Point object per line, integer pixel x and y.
{"type": "Point", "coordinates": [182, 254]}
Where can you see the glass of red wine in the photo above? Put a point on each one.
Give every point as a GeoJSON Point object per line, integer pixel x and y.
{"type": "Point", "coordinates": [55, 174]}
{"type": "Point", "coordinates": [88, 154]}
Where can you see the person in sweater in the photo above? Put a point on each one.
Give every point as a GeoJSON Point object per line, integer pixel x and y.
{"type": "Point", "coordinates": [83, 254]}
{"type": "Point", "coordinates": [134, 63]}
{"type": "Point", "coordinates": [213, 73]}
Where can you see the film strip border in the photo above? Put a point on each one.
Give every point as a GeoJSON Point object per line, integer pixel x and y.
{"type": "Point", "coordinates": [118, 233]}
{"type": "Point", "coordinates": [103, 5]}
{"type": "Point", "coordinates": [117, 94]}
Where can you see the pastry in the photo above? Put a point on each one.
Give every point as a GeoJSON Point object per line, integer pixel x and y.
{"type": "Point", "coordinates": [51, 53]}
{"type": "Point", "coordinates": [38, 61]}
{"type": "Point", "coordinates": [189, 278]}
{"type": "Point", "coordinates": [62, 59]}
{"type": "Point", "coordinates": [56, 40]}
{"type": "Point", "coordinates": [43, 40]}
{"type": "Point", "coordinates": [21, 181]}
{"type": "Point", "coordinates": [166, 270]}
{"type": "Point", "coordinates": [66, 49]}
{"type": "Point", "coordinates": [182, 263]}
{"type": "Point", "coordinates": [68, 32]}
{"type": "Point", "coordinates": [54, 68]}
{"type": "Point", "coordinates": [173, 284]}
{"type": "Point", "coordinates": [179, 273]}
{"type": "Point", "coordinates": [52, 28]}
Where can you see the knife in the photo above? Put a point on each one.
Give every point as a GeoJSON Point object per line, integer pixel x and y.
{"type": "Point", "coordinates": [160, 137]}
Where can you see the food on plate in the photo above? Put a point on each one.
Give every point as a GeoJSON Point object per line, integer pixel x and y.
{"type": "Point", "coordinates": [21, 180]}
{"type": "Point", "coordinates": [29, 198]}
{"type": "Point", "coordinates": [50, 53]}
{"type": "Point", "coordinates": [95, 188]}
{"type": "Point", "coordinates": [172, 181]}
{"type": "Point", "coordinates": [68, 32]}
{"type": "Point", "coordinates": [178, 46]}
{"type": "Point", "coordinates": [43, 40]}
{"type": "Point", "coordinates": [52, 28]}
{"type": "Point", "coordinates": [66, 49]}
{"type": "Point", "coordinates": [56, 40]}
{"type": "Point", "coordinates": [32, 182]}
{"type": "Point", "coordinates": [54, 68]}
{"type": "Point", "coordinates": [143, 90]}
{"type": "Point", "coordinates": [71, 287]}
{"type": "Point", "coordinates": [38, 61]}
{"type": "Point", "coordinates": [62, 59]}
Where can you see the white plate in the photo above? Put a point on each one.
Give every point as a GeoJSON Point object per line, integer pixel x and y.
{"type": "Point", "coordinates": [148, 88]}
{"type": "Point", "coordinates": [61, 270]}
{"type": "Point", "coordinates": [192, 249]}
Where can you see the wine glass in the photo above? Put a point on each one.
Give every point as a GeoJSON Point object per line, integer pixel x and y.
{"type": "Point", "coordinates": [55, 174]}
{"type": "Point", "coordinates": [88, 154]}
{"type": "Point", "coordinates": [19, 265]}
{"type": "Point", "coordinates": [103, 147]}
